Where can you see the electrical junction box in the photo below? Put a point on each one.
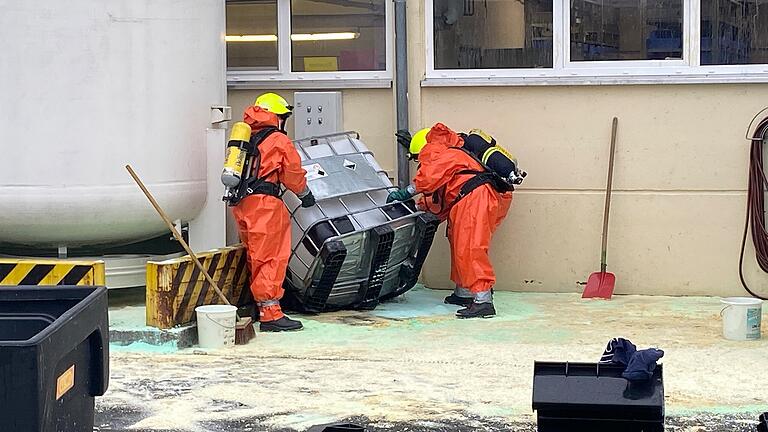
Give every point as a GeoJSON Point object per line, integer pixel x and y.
{"type": "Point", "coordinates": [317, 114]}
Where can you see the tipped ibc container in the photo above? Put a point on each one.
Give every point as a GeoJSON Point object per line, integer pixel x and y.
{"type": "Point", "coordinates": [54, 357]}
{"type": "Point", "coordinates": [352, 249]}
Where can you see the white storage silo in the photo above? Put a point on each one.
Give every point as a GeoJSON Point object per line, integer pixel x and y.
{"type": "Point", "coordinates": [87, 86]}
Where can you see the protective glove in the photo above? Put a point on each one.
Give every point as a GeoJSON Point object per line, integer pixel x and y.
{"type": "Point", "coordinates": [404, 138]}
{"type": "Point", "coordinates": [307, 200]}
{"type": "Point", "coordinates": [401, 194]}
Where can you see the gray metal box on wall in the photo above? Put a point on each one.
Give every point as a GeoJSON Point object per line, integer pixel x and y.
{"type": "Point", "coordinates": [317, 113]}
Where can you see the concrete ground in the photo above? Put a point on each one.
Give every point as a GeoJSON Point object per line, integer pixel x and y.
{"type": "Point", "coordinates": [411, 366]}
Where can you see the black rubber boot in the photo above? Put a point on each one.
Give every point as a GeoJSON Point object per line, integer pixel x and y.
{"type": "Point", "coordinates": [477, 310]}
{"type": "Point", "coordinates": [458, 301]}
{"type": "Point", "coordinates": [280, 325]}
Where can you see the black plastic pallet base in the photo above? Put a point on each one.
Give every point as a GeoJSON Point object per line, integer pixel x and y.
{"type": "Point", "coordinates": [332, 255]}
{"type": "Point", "coordinates": [315, 298]}
{"type": "Point", "coordinates": [409, 273]}
{"type": "Point", "coordinates": [383, 237]}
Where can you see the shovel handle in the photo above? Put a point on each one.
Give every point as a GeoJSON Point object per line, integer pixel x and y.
{"type": "Point", "coordinates": [176, 234]}
{"type": "Point", "coordinates": [606, 211]}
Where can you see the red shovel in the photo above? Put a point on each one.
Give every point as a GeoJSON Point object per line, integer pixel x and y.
{"type": "Point", "coordinates": [600, 284]}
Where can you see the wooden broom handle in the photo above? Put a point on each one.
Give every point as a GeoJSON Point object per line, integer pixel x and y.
{"type": "Point", "coordinates": [176, 234]}
{"type": "Point", "coordinates": [608, 189]}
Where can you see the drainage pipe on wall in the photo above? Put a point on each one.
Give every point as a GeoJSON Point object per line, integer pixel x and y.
{"type": "Point", "coordinates": [401, 86]}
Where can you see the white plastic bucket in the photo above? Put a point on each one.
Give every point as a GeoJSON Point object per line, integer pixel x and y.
{"type": "Point", "coordinates": [216, 326]}
{"type": "Point", "coordinates": [741, 318]}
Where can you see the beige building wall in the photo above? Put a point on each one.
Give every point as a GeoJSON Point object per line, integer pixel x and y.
{"type": "Point", "coordinates": [680, 178]}
{"type": "Point", "coordinates": [679, 186]}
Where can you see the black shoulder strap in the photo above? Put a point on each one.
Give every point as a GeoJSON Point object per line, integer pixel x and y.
{"type": "Point", "coordinates": [488, 176]}
{"type": "Point", "coordinates": [260, 136]}
{"type": "Point", "coordinates": [253, 183]}
{"type": "Point", "coordinates": [473, 156]}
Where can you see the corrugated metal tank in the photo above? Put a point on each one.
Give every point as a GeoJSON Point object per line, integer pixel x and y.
{"type": "Point", "coordinates": [88, 86]}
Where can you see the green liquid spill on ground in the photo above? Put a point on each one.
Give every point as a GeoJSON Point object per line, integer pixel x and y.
{"type": "Point", "coordinates": [420, 311]}
{"type": "Point", "coordinates": [144, 348]}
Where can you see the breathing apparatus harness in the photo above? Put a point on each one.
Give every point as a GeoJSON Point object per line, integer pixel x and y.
{"type": "Point", "coordinates": [243, 161]}
{"type": "Point", "coordinates": [499, 168]}
{"type": "Point", "coordinates": [486, 176]}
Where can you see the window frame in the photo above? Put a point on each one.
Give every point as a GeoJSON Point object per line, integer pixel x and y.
{"type": "Point", "coordinates": [567, 72]}
{"type": "Point", "coordinates": [284, 77]}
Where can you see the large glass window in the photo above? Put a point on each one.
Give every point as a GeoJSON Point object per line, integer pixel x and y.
{"type": "Point", "coordinates": [338, 35]}
{"type": "Point", "coordinates": [319, 43]}
{"type": "Point", "coordinates": [492, 34]}
{"type": "Point", "coordinates": [520, 42]}
{"type": "Point", "coordinates": [734, 32]}
{"type": "Point", "coordinates": [252, 34]}
{"type": "Point", "coordinates": [626, 30]}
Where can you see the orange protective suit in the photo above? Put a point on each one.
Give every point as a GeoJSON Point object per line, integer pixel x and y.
{"type": "Point", "coordinates": [263, 221]}
{"type": "Point", "coordinates": [473, 219]}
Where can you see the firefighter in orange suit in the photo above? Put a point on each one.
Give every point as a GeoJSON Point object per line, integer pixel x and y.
{"type": "Point", "coordinates": [455, 189]}
{"type": "Point", "coordinates": [262, 219]}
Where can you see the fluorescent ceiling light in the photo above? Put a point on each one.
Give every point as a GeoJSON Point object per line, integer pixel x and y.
{"type": "Point", "coordinates": [251, 38]}
{"type": "Point", "coordinates": [324, 36]}
{"type": "Point", "coordinates": [300, 37]}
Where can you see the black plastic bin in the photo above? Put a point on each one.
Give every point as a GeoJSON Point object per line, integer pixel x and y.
{"type": "Point", "coordinates": [574, 397]}
{"type": "Point", "coordinates": [54, 357]}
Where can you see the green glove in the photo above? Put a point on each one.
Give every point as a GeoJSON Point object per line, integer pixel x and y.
{"type": "Point", "coordinates": [401, 194]}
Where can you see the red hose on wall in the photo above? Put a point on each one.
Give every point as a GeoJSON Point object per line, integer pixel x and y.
{"type": "Point", "coordinates": [758, 183]}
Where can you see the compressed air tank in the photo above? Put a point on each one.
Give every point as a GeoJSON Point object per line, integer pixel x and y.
{"type": "Point", "coordinates": [89, 86]}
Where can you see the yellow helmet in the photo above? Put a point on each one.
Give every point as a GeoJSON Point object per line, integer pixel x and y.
{"type": "Point", "coordinates": [273, 103]}
{"type": "Point", "coordinates": [418, 141]}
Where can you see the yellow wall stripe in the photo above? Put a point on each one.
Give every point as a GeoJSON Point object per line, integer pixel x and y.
{"type": "Point", "coordinates": [58, 272]}
{"type": "Point", "coordinates": [51, 272]}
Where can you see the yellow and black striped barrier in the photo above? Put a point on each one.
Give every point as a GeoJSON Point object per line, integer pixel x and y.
{"type": "Point", "coordinates": [50, 272]}
{"type": "Point", "coordinates": [176, 287]}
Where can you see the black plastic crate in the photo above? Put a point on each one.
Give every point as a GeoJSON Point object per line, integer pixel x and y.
{"type": "Point", "coordinates": [54, 357]}
{"type": "Point", "coordinates": [574, 397]}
